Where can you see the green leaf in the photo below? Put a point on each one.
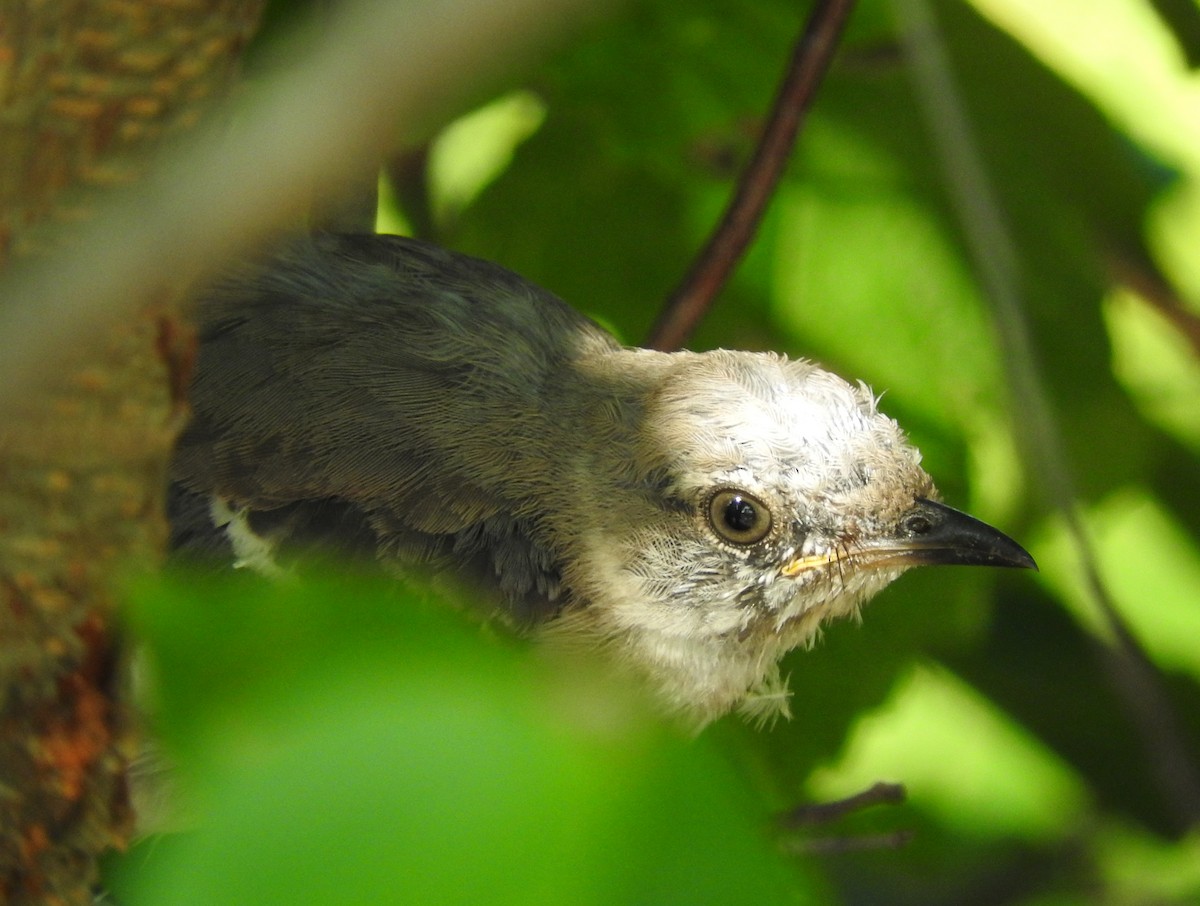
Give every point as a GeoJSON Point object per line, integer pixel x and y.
{"type": "Point", "coordinates": [344, 744]}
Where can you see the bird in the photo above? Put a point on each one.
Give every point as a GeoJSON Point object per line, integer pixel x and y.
{"type": "Point", "coordinates": [694, 516]}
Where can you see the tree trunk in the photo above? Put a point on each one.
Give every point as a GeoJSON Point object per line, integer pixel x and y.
{"type": "Point", "coordinates": [88, 88]}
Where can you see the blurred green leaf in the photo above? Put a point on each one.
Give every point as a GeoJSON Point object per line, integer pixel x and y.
{"type": "Point", "coordinates": [1003, 781]}
{"type": "Point", "coordinates": [852, 243]}
{"type": "Point", "coordinates": [346, 744]}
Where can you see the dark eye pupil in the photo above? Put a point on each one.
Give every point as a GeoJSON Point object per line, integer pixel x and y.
{"type": "Point", "coordinates": [740, 515]}
{"type": "Point", "coordinates": [739, 518]}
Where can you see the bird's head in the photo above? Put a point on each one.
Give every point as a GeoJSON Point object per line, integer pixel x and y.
{"type": "Point", "coordinates": [770, 495]}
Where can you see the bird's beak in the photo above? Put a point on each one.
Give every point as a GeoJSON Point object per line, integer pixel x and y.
{"type": "Point", "coordinates": [930, 534]}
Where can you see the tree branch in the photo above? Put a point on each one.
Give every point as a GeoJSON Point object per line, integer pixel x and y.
{"type": "Point", "coordinates": [712, 267]}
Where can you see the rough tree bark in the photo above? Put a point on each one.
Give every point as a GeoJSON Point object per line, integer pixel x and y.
{"type": "Point", "coordinates": [87, 89]}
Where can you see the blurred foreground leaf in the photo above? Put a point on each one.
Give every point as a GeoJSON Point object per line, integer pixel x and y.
{"type": "Point", "coordinates": [350, 744]}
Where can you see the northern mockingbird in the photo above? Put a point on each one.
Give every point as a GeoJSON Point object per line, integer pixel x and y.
{"type": "Point", "coordinates": [697, 515]}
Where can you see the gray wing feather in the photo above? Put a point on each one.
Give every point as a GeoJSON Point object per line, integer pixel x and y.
{"type": "Point", "coordinates": [378, 370]}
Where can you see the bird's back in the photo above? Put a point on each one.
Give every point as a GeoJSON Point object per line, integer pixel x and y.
{"type": "Point", "coordinates": [378, 385]}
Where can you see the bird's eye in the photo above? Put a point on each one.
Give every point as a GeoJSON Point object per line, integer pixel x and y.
{"type": "Point", "coordinates": [738, 517]}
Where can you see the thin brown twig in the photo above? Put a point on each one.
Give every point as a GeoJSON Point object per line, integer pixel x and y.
{"type": "Point", "coordinates": [835, 846]}
{"type": "Point", "coordinates": [808, 815]}
{"type": "Point", "coordinates": [1152, 286]}
{"type": "Point", "coordinates": [809, 61]}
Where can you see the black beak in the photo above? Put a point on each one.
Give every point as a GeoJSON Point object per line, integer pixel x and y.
{"type": "Point", "coordinates": [934, 534]}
